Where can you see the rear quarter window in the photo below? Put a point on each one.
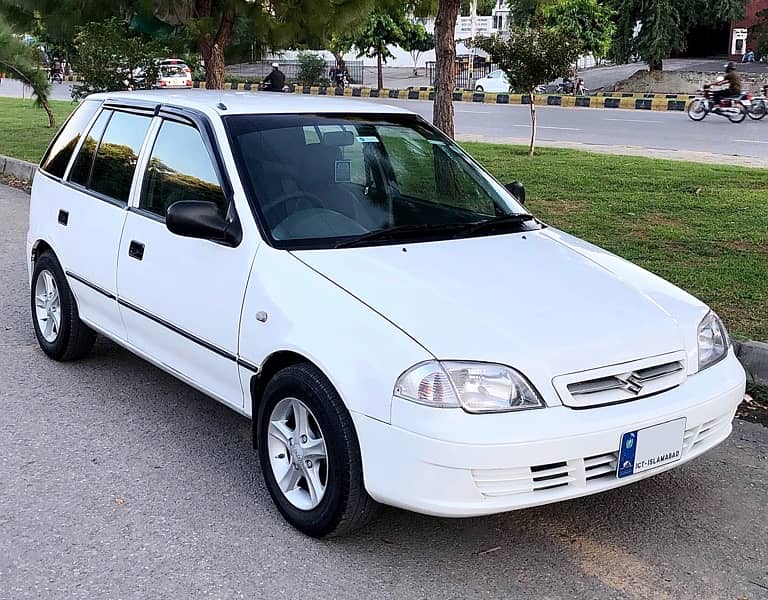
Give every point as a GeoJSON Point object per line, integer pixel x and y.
{"type": "Point", "coordinates": [63, 146]}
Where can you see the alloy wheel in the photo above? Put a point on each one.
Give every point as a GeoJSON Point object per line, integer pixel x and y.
{"type": "Point", "coordinates": [47, 306]}
{"type": "Point", "coordinates": [297, 453]}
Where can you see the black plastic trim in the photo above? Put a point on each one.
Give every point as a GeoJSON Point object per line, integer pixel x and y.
{"type": "Point", "coordinates": [247, 365]}
{"type": "Point", "coordinates": [93, 286]}
{"type": "Point", "coordinates": [193, 338]}
{"type": "Point", "coordinates": [179, 330]}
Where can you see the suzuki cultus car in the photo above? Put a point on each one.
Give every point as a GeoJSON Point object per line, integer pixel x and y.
{"type": "Point", "coordinates": [400, 328]}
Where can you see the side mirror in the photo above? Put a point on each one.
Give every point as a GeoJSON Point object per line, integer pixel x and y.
{"type": "Point", "coordinates": [198, 219]}
{"type": "Point", "coordinates": [517, 189]}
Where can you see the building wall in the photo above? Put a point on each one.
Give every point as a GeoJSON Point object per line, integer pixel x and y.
{"type": "Point", "coordinates": [752, 8]}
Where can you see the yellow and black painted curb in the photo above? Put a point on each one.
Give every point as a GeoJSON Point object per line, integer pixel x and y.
{"type": "Point", "coordinates": [657, 102]}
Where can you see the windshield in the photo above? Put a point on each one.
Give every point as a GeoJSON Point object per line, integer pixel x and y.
{"type": "Point", "coordinates": [322, 181]}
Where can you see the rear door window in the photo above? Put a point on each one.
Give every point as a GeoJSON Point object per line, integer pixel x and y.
{"type": "Point", "coordinates": [60, 151]}
{"type": "Point", "coordinates": [81, 169]}
{"type": "Point", "coordinates": [117, 155]}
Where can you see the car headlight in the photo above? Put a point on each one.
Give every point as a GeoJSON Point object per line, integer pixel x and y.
{"type": "Point", "coordinates": [713, 341]}
{"type": "Point", "coordinates": [476, 387]}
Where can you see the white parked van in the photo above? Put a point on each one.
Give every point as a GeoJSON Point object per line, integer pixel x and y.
{"type": "Point", "coordinates": [399, 327]}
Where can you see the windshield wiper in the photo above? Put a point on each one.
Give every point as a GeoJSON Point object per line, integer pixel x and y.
{"type": "Point", "coordinates": [496, 222]}
{"type": "Point", "coordinates": [396, 232]}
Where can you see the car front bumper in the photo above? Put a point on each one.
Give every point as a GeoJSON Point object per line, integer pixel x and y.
{"type": "Point", "coordinates": [446, 462]}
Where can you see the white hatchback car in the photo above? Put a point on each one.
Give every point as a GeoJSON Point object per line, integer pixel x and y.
{"type": "Point", "coordinates": [399, 327]}
{"type": "Point", "coordinates": [496, 82]}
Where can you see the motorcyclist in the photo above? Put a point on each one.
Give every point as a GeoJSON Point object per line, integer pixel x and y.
{"type": "Point", "coordinates": [733, 79]}
{"type": "Point", "coordinates": [275, 81]}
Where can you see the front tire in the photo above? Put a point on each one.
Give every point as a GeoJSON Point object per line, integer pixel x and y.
{"type": "Point", "coordinates": [479, 89]}
{"type": "Point", "coordinates": [698, 109]}
{"type": "Point", "coordinates": [310, 456]}
{"type": "Point", "coordinates": [758, 110]}
{"type": "Point", "coordinates": [59, 330]}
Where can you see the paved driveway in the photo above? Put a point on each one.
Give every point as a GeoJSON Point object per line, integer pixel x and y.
{"type": "Point", "coordinates": [117, 481]}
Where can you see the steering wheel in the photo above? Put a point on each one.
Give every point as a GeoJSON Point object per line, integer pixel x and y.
{"type": "Point", "coordinates": [271, 208]}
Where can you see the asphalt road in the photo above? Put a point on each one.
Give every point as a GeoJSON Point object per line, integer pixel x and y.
{"type": "Point", "coordinates": [662, 134]}
{"type": "Point", "coordinates": [118, 481]}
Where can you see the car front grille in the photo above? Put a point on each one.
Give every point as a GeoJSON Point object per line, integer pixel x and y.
{"type": "Point", "coordinates": [582, 473]}
{"type": "Point", "coordinates": [621, 383]}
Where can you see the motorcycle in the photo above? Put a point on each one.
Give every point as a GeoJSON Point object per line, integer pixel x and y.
{"type": "Point", "coordinates": [735, 108]}
{"type": "Point", "coordinates": [759, 106]}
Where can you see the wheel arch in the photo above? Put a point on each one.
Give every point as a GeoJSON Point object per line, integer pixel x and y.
{"type": "Point", "coordinates": [38, 248]}
{"type": "Point", "coordinates": [274, 363]}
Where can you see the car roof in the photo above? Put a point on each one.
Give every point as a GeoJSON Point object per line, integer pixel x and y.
{"type": "Point", "coordinates": [238, 103]}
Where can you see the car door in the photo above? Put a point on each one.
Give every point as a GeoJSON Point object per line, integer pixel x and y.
{"type": "Point", "coordinates": [181, 297]}
{"type": "Point", "coordinates": [91, 212]}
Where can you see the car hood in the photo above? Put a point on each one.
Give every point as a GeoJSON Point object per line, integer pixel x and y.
{"type": "Point", "coordinates": [535, 301]}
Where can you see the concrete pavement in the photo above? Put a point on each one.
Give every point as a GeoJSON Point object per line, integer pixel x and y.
{"type": "Point", "coordinates": [118, 481]}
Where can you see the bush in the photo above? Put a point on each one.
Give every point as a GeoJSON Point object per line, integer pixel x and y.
{"type": "Point", "coordinates": [311, 68]}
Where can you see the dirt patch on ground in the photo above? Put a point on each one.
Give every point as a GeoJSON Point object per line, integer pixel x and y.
{"type": "Point", "coordinates": [754, 408]}
{"type": "Point", "coordinates": [679, 82]}
{"type": "Point", "coordinates": [15, 182]}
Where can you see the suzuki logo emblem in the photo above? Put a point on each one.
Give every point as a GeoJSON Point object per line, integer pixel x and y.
{"type": "Point", "coordinates": [631, 383]}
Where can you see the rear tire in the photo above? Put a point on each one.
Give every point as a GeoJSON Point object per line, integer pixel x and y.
{"type": "Point", "coordinates": [59, 330]}
{"type": "Point", "coordinates": [479, 89]}
{"type": "Point", "coordinates": [738, 116]}
{"type": "Point", "coordinates": [698, 109]}
{"type": "Point", "coordinates": [342, 504]}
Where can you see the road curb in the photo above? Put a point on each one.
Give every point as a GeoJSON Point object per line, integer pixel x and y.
{"type": "Point", "coordinates": [650, 102]}
{"type": "Point", "coordinates": [20, 169]}
{"type": "Point", "coordinates": [754, 358]}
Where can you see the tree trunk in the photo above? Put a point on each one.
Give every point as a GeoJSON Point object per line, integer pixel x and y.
{"type": "Point", "coordinates": [340, 64]}
{"type": "Point", "coordinates": [213, 46]}
{"type": "Point", "coordinates": [656, 65]}
{"type": "Point", "coordinates": [47, 108]}
{"type": "Point", "coordinates": [380, 71]}
{"type": "Point", "coordinates": [445, 61]}
{"type": "Point", "coordinates": [532, 146]}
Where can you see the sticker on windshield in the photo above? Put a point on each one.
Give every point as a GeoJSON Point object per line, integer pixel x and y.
{"type": "Point", "coordinates": [343, 171]}
{"type": "Point", "coordinates": [367, 139]}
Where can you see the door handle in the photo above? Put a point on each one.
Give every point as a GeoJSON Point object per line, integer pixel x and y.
{"type": "Point", "coordinates": [136, 250]}
{"type": "Point", "coordinates": [63, 217]}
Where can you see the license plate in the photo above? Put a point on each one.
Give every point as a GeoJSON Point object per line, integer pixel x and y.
{"type": "Point", "coordinates": [651, 447]}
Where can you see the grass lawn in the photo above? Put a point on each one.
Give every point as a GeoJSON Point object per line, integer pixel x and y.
{"type": "Point", "coordinates": [703, 227]}
{"type": "Point", "coordinates": [24, 131]}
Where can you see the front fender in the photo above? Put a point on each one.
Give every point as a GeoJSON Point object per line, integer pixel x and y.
{"type": "Point", "coordinates": [360, 352]}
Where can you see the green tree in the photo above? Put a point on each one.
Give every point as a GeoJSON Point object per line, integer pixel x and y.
{"type": "Point", "coordinates": [109, 56]}
{"type": "Point", "coordinates": [373, 38]}
{"type": "Point", "coordinates": [484, 7]}
{"type": "Point", "coordinates": [588, 23]}
{"type": "Point", "coordinates": [664, 25]}
{"type": "Point", "coordinates": [531, 57]}
{"type": "Point", "coordinates": [416, 40]}
{"type": "Point", "coordinates": [17, 61]}
{"type": "Point", "coordinates": [215, 26]}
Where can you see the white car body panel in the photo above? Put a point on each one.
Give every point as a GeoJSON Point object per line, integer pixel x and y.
{"type": "Point", "coordinates": [506, 298]}
{"type": "Point", "coordinates": [543, 302]}
{"type": "Point", "coordinates": [495, 82]}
